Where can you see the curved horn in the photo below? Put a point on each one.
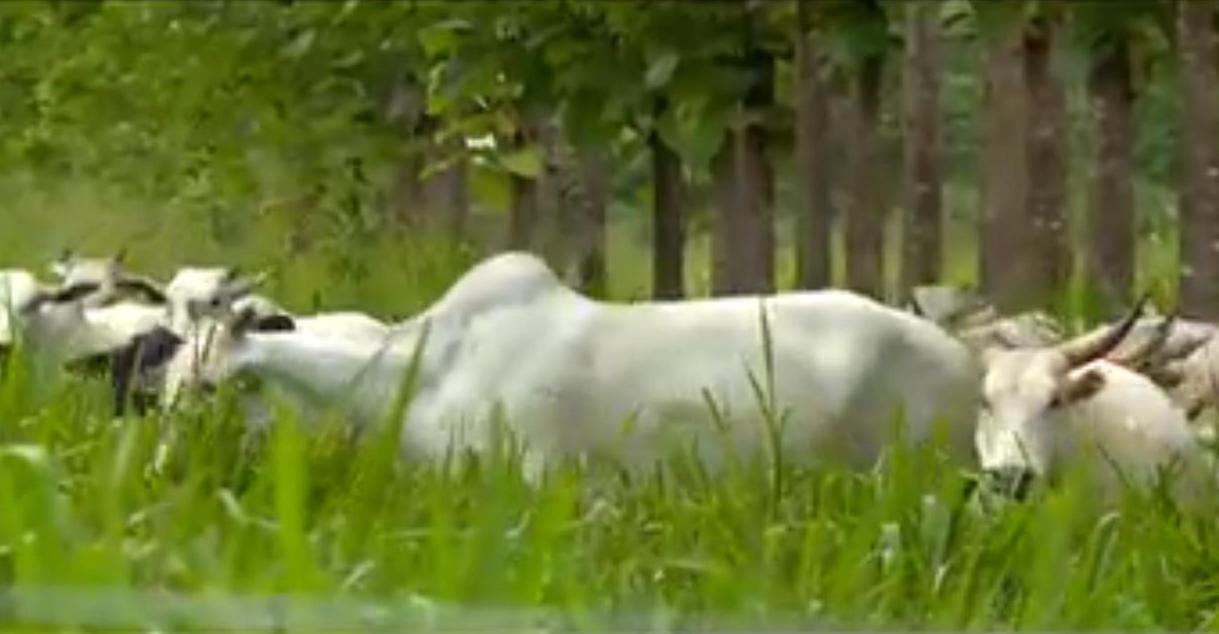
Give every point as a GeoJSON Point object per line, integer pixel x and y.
{"type": "Point", "coordinates": [1142, 351]}
{"type": "Point", "coordinates": [1184, 344]}
{"type": "Point", "coordinates": [1098, 343]}
{"type": "Point", "coordinates": [242, 286]}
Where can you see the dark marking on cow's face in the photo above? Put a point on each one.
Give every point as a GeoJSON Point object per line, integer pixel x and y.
{"type": "Point", "coordinates": [135, 362]}
{"type": "Point", "coordinates": [74, 292]}
{"type": "Point", "coordinates": [274, 323]}
{"type": "Point", "coordinates": [141, 286]}
{"type": "Point", "coordinates": [63, 295]}
{"type": "Point", "coordinates": [95, 365]}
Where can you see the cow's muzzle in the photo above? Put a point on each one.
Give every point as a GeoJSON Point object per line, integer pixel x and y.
{"type": "Point", "coordinates": [1013, 482]}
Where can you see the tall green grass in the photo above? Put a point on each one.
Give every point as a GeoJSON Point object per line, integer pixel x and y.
{"type": "Point", "coordinates": [93, 529]}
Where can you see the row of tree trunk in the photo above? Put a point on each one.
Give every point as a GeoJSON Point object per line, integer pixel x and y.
{"type": "Point", "coordinates": [1025, 249]}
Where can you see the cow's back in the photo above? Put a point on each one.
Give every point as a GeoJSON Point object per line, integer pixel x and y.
{"type": "Point", "coordinates": [843, 366]}
{"type": "Point", "coordinates": [578, 377]}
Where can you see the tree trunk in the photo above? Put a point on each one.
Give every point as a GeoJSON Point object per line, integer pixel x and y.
{"type": "Point", "coordinates": [1199, 224]}
{"type": "Point", "coordinates": [746, 237]}
{"type": "Point", "coordinates": [1111, 228]}
{"type": "Point", "coordinates": [556, 222]}
{"type": "Point", "coordinates": [408, 193]}
{"type": "Point", "coordinates": [813, 223]}
{"type": "Point", "coordinates": [446, 191]}
{"type": "Point", "coordinates": [668, 221]}
{"type": "Point", "coordinates": [591, 203]}
{"type": "Point", "coordinates": [1046, 256]}
{"type": "Point", "coordinates": [866, 217]}
{"type": "Point", "coordinates": [523, 212]}
{"type": "Point", "coordinates": [726, 226]}
{"type": "Point", "coordinates": [1005, 177]}
{"type": "Point", "coordinates": [403, 108]}
{"type": "Point", "coordinates": [923, 226]}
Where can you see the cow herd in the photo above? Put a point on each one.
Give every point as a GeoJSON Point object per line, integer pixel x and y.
{"type": "Point", "coordinates": [826, 376]}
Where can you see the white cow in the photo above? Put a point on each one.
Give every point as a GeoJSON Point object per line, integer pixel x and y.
{"type": "Point", "coordinates": [17, 288]}
{"type": "Point", "coordinates": [577, 377]}
{"type": "Point", "coordinates": [1048, 408]}
{"type": "Point", "coordinates": [112, 280]}
{"type": "Point", "coordinates": [192, 301]}
{"type": "Point", "coordinates": [62, 330]}
{"type": "Point", "coordinates": [1185, 362]}
{"type": "Point", "coordinates": [199, 295]}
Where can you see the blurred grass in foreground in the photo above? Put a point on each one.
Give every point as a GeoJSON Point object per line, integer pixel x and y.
{"type": "Point", "coordinates": [240, 533]}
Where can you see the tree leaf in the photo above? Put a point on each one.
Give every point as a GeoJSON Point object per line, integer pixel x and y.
{"type": "Point", "coordinates": [526, 161]}
{"type": "Point", "coordinates": [694, 133]}
{"type": "Point", "coordinates": [440, 38]}
{"type": "Point", "coordinates": [661, 70]}
{"type": "Point", "coordinates": [300, 45]}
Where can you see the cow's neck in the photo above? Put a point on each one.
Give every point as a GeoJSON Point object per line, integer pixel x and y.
{"type": "Point", "coordinates": [322, 370]}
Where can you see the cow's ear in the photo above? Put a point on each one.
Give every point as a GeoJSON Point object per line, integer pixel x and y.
{"type": "Point", "coordinates": [1080, 388]}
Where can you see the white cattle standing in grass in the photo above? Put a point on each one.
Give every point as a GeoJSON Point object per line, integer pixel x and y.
{"type": "Point", "coordinates": [60, 329]}
{"type": "Point", "coordinates": [577, 377]}
{"type": "Point", "coordinates": [1185, 363]}
{"type": "Point", "coordinates": [193, 300]}
{"type": "Point", "coordinates": [113, 282]}
{"type": "Point", "coordinates": [17, 288]}
{"type": "Point", "coordinates": [1048, 408]}
{"type": "Point", "coordinates": [200, 295]}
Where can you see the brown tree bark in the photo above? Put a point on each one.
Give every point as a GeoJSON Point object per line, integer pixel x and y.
{"type": "Point", "coordinates": [403, 108]}
{"type": "Point", "coordinates": [744, 262]}
{"type": "Point", "coordinates": [1111, 230]}
{"type": "Point", "coordinates": [1199, 222]}
{"type": "Point", "coordinates": [726, 225]}
{"type": "Point", "coordinates": [668, 220]}
{"type": "Point", "coordinates": [592, 204]}
{"type": "Point", "coordinates": [523, 213]}
{"type": "Point", "coordinates": [813, 223]}
{"type": "Point", "coordinates": [1002, 225]}
{"type": "Point", "coordinates": [923, 227]}
{"type": "Point", "coordinates": [556, 222]}
{"type": "Point", "coordinates": [1046, 255]}
{"type": "Point", "coordinates": [866, 216]}
{"type": "Point", "coordinates": [408, 192]}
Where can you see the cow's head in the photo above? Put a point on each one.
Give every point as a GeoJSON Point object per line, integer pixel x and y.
{"type": "Point", "coordinates": [113, 281]}
{"type": "Point", "coordinates": [1027, 393]}
{"type": "Point", "coordinates": [211, 353]}
{"type": "Point", "coordinates": [199, 293]}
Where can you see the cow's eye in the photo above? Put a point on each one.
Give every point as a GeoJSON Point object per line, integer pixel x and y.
{"type": "Point", "coordinates": [1056, 401]}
